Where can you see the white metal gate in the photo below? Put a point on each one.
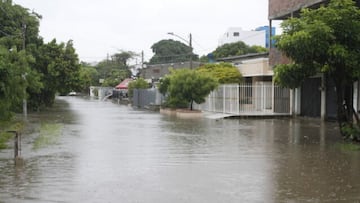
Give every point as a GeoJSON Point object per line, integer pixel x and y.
{"type": "Point", "coordinates": [247, 98]}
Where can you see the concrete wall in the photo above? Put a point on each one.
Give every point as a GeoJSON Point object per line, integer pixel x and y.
{"type": "Point", "coordinates": [255, 67]}
{"type": "Point", "coordinates": [280, 8]}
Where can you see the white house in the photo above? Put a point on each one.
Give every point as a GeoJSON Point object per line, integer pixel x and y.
{"type": "Point", "coordinates": [236, 34]}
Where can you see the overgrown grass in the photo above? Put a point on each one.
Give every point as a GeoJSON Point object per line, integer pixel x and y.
{"type": "Point", "coordinates": [349, 146]}
{"type": "Point", "coordinates": [8, 126]}
{"type": "Point", "coordinates": [49, 135]}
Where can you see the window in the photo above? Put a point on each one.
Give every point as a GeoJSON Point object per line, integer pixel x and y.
{"type": "Point", "coordinates": [236, 34]}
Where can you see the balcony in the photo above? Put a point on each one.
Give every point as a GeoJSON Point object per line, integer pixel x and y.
{"type": "Point", "coordinates": [282, 9]}
{"type": "Point", "coordinates": [277, 57]}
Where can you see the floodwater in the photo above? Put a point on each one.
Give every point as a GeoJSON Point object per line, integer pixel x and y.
{"type": "Point", "coordinates": [112, 153]}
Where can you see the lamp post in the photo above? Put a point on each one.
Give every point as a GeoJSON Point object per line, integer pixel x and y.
{"type": "Point", "coordinates": [189, 42]}
{"type": "Point", "coordinates": [24, 74]}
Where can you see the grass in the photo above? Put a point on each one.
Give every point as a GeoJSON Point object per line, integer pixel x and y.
{"type": "Point", "coordinates": [349, 146]}
{"type": "Point", "coordinates": [49, 135]}
{"type": "Point", "coordinates": [8, 126]}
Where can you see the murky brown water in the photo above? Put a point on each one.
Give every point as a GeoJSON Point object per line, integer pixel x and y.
{"type": "Point", "coordinates": [112, 153]}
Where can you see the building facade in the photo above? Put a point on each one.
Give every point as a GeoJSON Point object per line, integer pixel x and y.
{"type": "Point", "coordinates": [236, 34]}
{"type": "Point", "coordinates": [268, 33]}
{"type": "Point", "coordinates": [156, 71]}
{"type": "Point", "coordinates": [317, 96]}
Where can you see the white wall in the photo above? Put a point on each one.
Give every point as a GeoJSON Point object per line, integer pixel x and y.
{"type": "Point", "coordinates": [251, 38]}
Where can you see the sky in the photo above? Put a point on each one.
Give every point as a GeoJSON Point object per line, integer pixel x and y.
{"type": "Point", "coordinates": [101, 28]}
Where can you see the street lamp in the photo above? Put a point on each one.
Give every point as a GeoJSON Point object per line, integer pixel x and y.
{"type": "Point", "coordinates": [189, 42]}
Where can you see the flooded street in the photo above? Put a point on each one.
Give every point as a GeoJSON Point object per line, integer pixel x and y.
{"type": "Point", "coordinates": [112, 153]}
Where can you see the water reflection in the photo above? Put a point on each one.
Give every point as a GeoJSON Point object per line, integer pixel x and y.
{"type": "Point", "coordinates": [113, 153]}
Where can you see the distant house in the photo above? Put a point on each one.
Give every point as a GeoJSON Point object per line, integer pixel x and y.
{"type": "Point", "coordinates": [259, 37]}
{"type": "Point", "coordinates": [253, 67]}
{"type": "Point", "coordinates": [157, 71]}
{"type": "Point", "coordinates": [124, 84]}
{"type": "Point", "coordinates": [317, 96]}
{"type": "Point", "coordinates": [256, 96]}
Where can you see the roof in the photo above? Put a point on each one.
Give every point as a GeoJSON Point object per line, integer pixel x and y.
{"type": "Point", "coordinates": [244, 57]}
{"type": "Point", "coordinates": [124, 84]}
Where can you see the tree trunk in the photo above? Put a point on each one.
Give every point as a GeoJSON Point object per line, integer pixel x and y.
{"type": "Point", "coordinates": [344, 106]}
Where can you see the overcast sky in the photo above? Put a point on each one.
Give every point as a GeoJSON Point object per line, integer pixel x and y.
{"type": "Point", "coordinates": [104, 27]}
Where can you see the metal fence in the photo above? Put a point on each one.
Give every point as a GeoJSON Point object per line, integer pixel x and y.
{"type": "Point", "coordinates": [143, 98]}
{"type": "Point", "coordinates": [247, 98]}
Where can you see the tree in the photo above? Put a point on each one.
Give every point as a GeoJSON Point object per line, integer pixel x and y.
{"type": "Point", "coordinates": [60, 72]}
{"type": "Point", "coordinates": [225, 73]}
{"type": "Point", "coordinates": [324, 40]}
{"type": "Point", "coordinates": [122, 58]}
{"type": "Point", "coordinates": [18, 30]}
{"type": "Point", "coordinates": [170, 51]}
{"type": "Point", "coordinates": [88, 76]}
{"type": "Point", "coordinates": [15, 77]}
{"type": "Point", "coordinates": [140, 83]}
{"type": "Point", "coordinates": [186, 86]}
{"type": "Point", "coordinates": [236, 49]}
{"type": "Point", "coordinates": [33, 70]}
{"type": "Point", "coordinates": [115, 70]}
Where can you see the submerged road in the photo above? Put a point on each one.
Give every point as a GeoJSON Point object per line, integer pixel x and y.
{"type": "Point", "coordinates": [112, 153]}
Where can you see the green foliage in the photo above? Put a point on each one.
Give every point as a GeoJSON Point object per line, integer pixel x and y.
{"type": "Point", "coordinates": [122, 58]}
{"type": "Point", "coordinates": [6, 126]}
{"type": "Point", "coordinates": [349, 147]}
{"type": "Point", "coordinates": [324, 40]}
{"type": "Point", "coordinates": [185, 86]}
{"type": "Point", "coordinates": [15, 77]}
{"type": "Point", "coordinates": [116, 77]}
{"type": "Point", "coordinates": [115, 70]}
{"type": "Point", "coordinates": [350, 131]}
{"type": "Point", "coordinates": [95, 91]}
{"type": "Point", "coordinates": [164, 85]}
{"type": "Point", "coordinates": [236, 49]}
{"type": "Point", "coordinates": [4, 138]}
{"type": "Point", "coordinates": [170, 51]}
{"type": "Point", "coordinates": [88, 76]}
{"type": "Point", "coordinates": [49, 135]}
{"type": "Point", "coordinates": [60, 72]}
{"type": "Point", "coordinates": [39, 70]}
{"type": "Point", "coordinates": [140, 83]}
{"type": "Point", "coordinates": [292, 75]}
{"type": "Point", "coordinates": [225, 73]}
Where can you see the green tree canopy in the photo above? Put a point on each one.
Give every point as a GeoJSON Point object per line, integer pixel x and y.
{"type": "Point", "coordinates": [236, 49]}
{"type": "Point", "coordinates": [18, 28]}
{"type": "Point", "coordinates": [88, 76]}
{"type": "Point", "coordinates": [42, 70]}
{"type": "Point", "coordinates": [170, 51]}
{"type": "Point", "coordinates": [324, 40]}
{"type": "Point", "coordinates": [15, 77]}
{"type": "Point", "coordinates": [115, 69]}
{"type": "Point", "coordinates": [225, 73]}
{"type": "Point", "coordinates": [185, 86]}
{"type": "Point", "coordinates": [139, 83]}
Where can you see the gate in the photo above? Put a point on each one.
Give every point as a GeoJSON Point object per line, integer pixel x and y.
{"type": "Point", "coordinates": [247, 98]}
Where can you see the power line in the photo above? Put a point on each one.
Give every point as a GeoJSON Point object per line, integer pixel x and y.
{"type": "Point", "coordinates": [5, 33]}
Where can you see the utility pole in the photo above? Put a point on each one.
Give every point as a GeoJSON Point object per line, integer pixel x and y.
{"type": "Point", "coordinates": [142, 59]}
{"type": "Point", "coordinates": [24, 73]}
{"type": "Point", "coordinates": [191, 51]}
{"type": "Point", "coordinates": [190, 45]}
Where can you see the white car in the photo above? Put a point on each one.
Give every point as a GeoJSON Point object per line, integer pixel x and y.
{"type": "Point", "coordinates": [72, 93]}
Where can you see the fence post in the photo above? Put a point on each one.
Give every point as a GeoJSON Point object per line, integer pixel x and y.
{"type": "Point", "coordinates": [224, 97]}
{"type": "Point", "coordinates": [17, 148]}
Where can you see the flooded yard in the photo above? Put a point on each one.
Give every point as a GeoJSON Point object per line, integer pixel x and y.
{"type": "Point", "coordinates": [107, 152]}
